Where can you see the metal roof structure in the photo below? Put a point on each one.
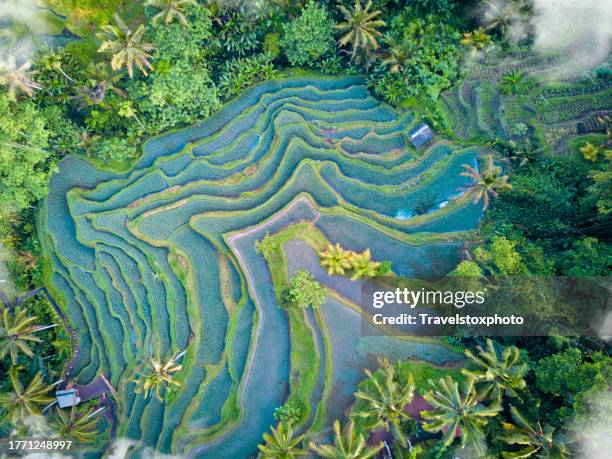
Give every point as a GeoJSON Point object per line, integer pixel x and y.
{"type": "Point", "coordinates": [67, 398]}
{"type": "Point", "coordinates": [75, 394]}
{"type": "Point", "coordinates": [421, 135]}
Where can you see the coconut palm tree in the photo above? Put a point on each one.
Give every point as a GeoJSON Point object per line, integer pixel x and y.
{"type": "Point", "coordinates": [79, 425]}
{"type": "Point", "coordinates": [363, 266]}
{"type": "Point", "coordinates": [476, 40]}
{"type": "Point", "coordinates": [159, 376]}
{"type": "Point", "coordinates": [360, 27]}
{"type": "Point", "coordinates": [126, 47]}
{"type": "Point", "coordinates": [16, 331]}
{"type": "Point", "coordinates": [18, 78]}
{"type": "Point", "coordinates": [504, 16]}
{"type": "Point", "coordinates": [499, 375]}
{"type": "Point", "coordinates": [101, 79]}
{"type": "Point", "coordinates": [386, 399]}
{"type": "Point", "coordinates": [500, 17]}
{"type": "Point", "coordinates": [537, 440]}
{"type": "Point", "coordinates": [347, 445]}
{"type": "Point", "coordinates": [399, 53]}
{"type": "Point", "coordinates": [458, 411]}
{"type": "Point", "coordinates": [23, 402]}
{"type": "Point", "coordinates": [487, 183]}
{"type": "Point", "coordinates": [170, 10]}
{"type": "Point", "coordinates": [335, 259]}
{"type": "Point", "coordinates": [281, 444]}
{"type": "Point", "coordinates": [512, 82]}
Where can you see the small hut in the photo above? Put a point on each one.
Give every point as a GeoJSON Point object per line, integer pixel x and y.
{"type": "Point", "coordinates": [67, 398]}
{"type": "Point", "coordinates": [421, 135]}
{"type": "Point", "coordinates": [74, 394]}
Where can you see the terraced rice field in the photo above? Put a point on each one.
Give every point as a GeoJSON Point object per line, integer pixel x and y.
{"type": "Point", "coordinates": [477, 110]}
{"type": "Point", "coordinates": [162, 258]}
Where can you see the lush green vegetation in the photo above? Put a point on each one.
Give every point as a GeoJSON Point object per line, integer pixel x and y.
{"type": "Point", "coordinates": [135, 69]}
{"type": "Point", "coordinates": [505, 407]}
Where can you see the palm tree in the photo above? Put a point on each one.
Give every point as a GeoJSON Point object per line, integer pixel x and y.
{"type": "Point", "coordinates": [512, 82]}
{"type": "Point", "coordinates": [499, 17]}
{"type": "Point", "coordinates": [537, 440]}
{"type": "Point", "coordinates": [360, 27]}
{"type": "Point", "coordinates": [503, 16]}
{"type": "Point", "coordinates": [126, 47]}
{"type": "Point", "coordinates": [476, 40]}
{"type": "Point", "coordinates": [386, 399]}
{"type": "Point", "coordinates": [458, 411]}
{"type": "Point", "coordinates": [335, 259]}
{"type": "Point", "coordinates": [80, 425]}
{"type": "Point", "coordinates": [16, 330]}
{"type": "Point", "coordinates": [101, 78]}
{"type": "Point", "coordinates": [590, 152]}
{"type": "Point", "coordinates": [281, 444]}
{"type": "Point", "coordinates": [499, 375]}
{"type": "Point", "coordinates": [18, 78]}
{"type": "Point", "coordinates": [170, 10]}
{"type": "Point", "coordinates": [399, 53]}
{"type": "Point", "coordinates": [347, 445]}
{"type": "Point", "coordinates": [22, 402]}
{"type": "Point", "coordinates": [291, 7]}
{"type": "Point", "coordinates": [159, 376]}
{"type": "Point", "coordinates": [363, 266]}
{"type": "Point", "coordinates": [487, 183]}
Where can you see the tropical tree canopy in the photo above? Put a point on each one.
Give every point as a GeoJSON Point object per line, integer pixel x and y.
{"type": "Point", "coordinates": [360, 28]}
{"type": "Point", "coordinates": [363, 266]}
{"type": "Point", "coordinates": [281, 444]}
{"type": "Point", "coordinates": [399, 54]}
{"type": "Point", "coordinates": [486, 183]}
{"type": "Point", "coordinates": [309, 38]}
{"type": "Point", "coordinates": [476, 40]}
{"type": "Point", "coordinates": [535, 440]}
{"type": "Point", "coordinates": [385, 399]}
{"type": "Point", "coordinates": [22, 402]}
{"type": "Point", "coordinates": [456, 412]}
{"type": "Point", "coordinates": [498, 375]}
{"type": "Point", "coordinates": [159, 376]}
{"type": "Point", "coordinates": [126, 46]}
{"type": "Point", "coordinates": [170, 10]}
{"type": "Point", "coordinates": [101, 78]}
{"type": "Point", "coordinates": [291, 7]}
{"type": "Point", "coordinates": [512, 82]}
{"type": "Point", "coordinates": [16, 332]}
{"type": "Point", "coordinates": [25, 159]}
{"type": "Point", "coordinates": [335, 259]}
{"type": "Point", "coordinates": [590, 152]}
{"type": "Point", "coordinates": [18, 78]}
{"type": "Point", "coordinates": [507, 17]}
{"type": "Point", "coordinates": [305, 290]}
{"type": "Point", "coordinates": [347, 444]}
{"type": "Point", "coordinates": [79, 425]}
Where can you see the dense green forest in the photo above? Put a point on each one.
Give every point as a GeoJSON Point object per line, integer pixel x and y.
{"type": "Point", "coordinates": [111, 74]}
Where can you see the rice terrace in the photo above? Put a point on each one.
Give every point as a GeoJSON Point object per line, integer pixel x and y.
{"type": "Point", "coordinates": [164, 257]}
{"type": "Point", "coordinates": [197, 194]}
